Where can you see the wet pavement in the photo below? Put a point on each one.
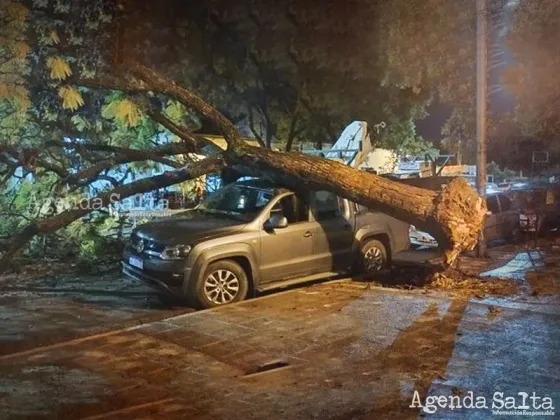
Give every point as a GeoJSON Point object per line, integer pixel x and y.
{"type": "Point", "coordinates": [339, 350]}
{"type": "Point", "coordinates": [40, 311]}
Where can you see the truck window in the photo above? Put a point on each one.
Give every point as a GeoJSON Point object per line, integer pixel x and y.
{"type": "Point", "coordinates": [362, 209]}
{"type": "Point", "coordinates": [327, 206]}
{"type": "Point", "coordinates": [236, 200]}
{"type": "Point", "coordinates": [262, 199]}
{"type": "Point", "coordinates": [292, 208]}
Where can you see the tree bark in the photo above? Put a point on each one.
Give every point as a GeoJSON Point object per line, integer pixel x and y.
{"type": "Point", "coordinates": [453, 216]}
{"type": "Point", "coordinates": [433, 183]}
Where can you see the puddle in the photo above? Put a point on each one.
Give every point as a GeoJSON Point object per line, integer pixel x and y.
{"type": "Point", "coordinates": [517, 268]}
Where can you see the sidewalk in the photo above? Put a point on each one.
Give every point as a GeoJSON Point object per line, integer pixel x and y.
{"type": "Point", "coordinates": [48, 309]}
{"type": "Point", "coordinates": [334, 351]}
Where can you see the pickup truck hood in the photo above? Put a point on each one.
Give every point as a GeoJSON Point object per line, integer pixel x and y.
{"type": "Point", "coordinates": [189, 228]}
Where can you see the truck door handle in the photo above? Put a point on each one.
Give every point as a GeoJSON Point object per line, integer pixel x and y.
{"type": "Point", "coordinates": [307, 234]}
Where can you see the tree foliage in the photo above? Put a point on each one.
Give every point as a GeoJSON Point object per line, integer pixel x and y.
{"type": "Point", "coordinates": [293, 69]}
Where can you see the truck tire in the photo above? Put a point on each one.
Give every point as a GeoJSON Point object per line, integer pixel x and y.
{"type": "Point", "coordinates": [223, 282]}
{"type": "Point", "coordinates": [374, 258]}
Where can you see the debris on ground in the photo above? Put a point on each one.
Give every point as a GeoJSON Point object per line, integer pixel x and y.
{"type": "Point", "coordinates": [462, 283]}
{"type": "Point", "coordinates": [493, 312]}
{"type": "Point", "coordinates": [544, 283]}
{"type": "Point", "coordinates": [459, 284]}
{"type": "Point", "coordinates": [28, 271]}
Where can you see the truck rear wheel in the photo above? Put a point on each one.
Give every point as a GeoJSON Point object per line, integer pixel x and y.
{"type": "Point", "coordinates": [223, 282]}
{"type": "Point", "coordinates": [373, 257]}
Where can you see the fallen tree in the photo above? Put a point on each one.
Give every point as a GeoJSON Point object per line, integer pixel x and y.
{"type": "Point", "coordinates": [454, 216]}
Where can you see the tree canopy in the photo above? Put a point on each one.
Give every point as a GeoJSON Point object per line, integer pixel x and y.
{"type": "Point", "coordinates": [282, 70]}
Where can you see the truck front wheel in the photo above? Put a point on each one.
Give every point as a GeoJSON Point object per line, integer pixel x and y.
{"type": "Point", "coordinates": [373, 257]}
{"type": "Point", "coordinates": [223, 282]}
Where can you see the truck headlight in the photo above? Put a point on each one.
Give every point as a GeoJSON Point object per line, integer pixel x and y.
{"type": "Point", "coordinates": [176, 252]}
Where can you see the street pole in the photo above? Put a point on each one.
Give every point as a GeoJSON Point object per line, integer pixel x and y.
{"type": "Point", "coordinates": [481, 102]}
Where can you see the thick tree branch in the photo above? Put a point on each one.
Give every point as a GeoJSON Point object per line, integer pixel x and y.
{"type": "Point", "coordinates": [125, 155]}
{"type": "Point", "coordinates": [19, 157]}
{"type": "Point", "coordinates": [29, 159]}
{"type": "Point", "coordinates": [109, 179]}
{"type": "Point", "coordinates": [51, 167]}
{"type": "Point", "coordinates": [163, 150]}
{"type": "Point", "coordinates": [111, 83]}
{"type": "Point", "coordinates": [190, 100]}
{"type": "Point", "coordinates": [176, 129]}
{"type": "Point", "coordinates": [52, 224]}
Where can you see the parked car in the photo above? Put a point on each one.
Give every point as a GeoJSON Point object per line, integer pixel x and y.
{"type": "Point", "coordinates": [538, 205]}
{"type": "Point", "coordinates": [253, 236]}
{"type": "Point", "coordinates": [504, 186]}
{"type": "Point", "coordinates": [492, 187]}
{"type": "Point", "coordinates": [501, 223]}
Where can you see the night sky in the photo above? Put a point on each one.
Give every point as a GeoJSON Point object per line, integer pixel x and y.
{"type": "Point", "coordinates": [500, 102]}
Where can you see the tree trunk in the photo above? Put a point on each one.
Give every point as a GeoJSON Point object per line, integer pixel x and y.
{"type": "Point", "coordinates": [269, 131]}
{"type": "Point", "coordinates": [453, 216]}
{"type": "Point", "coordinates": [292, 130]}
{"type": "Point", "coordinates": [433, 183]}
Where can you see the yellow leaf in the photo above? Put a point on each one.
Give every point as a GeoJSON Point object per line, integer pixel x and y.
{"type": "Point", "coordinates": [71, 98]}
{"type": "Point", "coordinates": [60, 69]}
{"type": "Point", "coordinates": [21, 99]}
{"type": "Point", "coordinates": [18, 12]}
{"type": "Point", "coordinates": [20, 49]}
{"type": "Point", "coordinates": [124, 111]}
{"type": "Point", "coordinates": [53, 37]}
{"type": "Point", "coordinates": [17, 95]}
{"type": "Point", "coordinates": [175, 111]}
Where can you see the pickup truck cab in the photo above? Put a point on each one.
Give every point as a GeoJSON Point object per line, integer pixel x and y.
{"type": "Point", "coordinates": [253, 235]}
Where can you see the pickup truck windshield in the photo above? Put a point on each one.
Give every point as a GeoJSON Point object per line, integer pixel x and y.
{"type": "Point", "coordinates": [237, 201]}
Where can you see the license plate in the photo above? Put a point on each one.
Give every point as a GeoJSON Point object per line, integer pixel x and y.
{"type": "Point", "coordinates": [136, 262]}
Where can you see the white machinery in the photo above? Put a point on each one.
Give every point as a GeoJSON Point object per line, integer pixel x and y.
{"type": "Point", "coordinates": [351, 148]}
